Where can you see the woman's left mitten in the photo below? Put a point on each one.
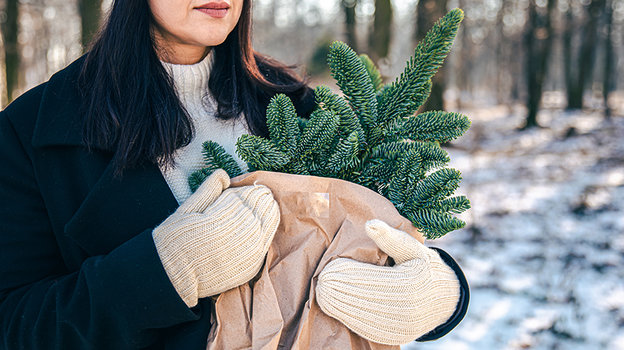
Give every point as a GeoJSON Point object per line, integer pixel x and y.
{"type": "Point", "coordinates": [390, 304]}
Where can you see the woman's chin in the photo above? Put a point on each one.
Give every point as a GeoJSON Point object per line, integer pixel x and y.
{"type": "Point", "coordinates": [214, 41]}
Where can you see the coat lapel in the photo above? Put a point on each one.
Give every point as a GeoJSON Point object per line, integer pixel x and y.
{"type": "Point", "coordinates": [119, 208]}
{"type": "Point", "coordinates": [114, 208]}
{"type": "Point", "coordinates": [59, 121]}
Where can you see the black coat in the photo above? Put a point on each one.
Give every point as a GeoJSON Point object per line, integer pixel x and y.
{"type": "Point", "coordinates": [78, 266]}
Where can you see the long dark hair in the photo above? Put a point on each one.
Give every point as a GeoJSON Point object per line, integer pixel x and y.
{"type": "Point", "coordinates": [129, 101]}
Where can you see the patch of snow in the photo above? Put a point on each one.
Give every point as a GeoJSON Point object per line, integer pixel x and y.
{"type": "Point", "coordinates": [543, 249]}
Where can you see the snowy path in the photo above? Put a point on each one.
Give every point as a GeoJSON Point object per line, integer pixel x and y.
{"type": "Point", "coordinates": [543, 250]}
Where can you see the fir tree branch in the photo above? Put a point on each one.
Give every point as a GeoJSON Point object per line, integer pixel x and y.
{"type": "Point", "coordinates": [434, 188]}
{"type": "Point", "coordinates": [216, 157]}
{"type": "Point", "coordinates": [432, 223]}
{"type": "Point", "coordinates": [349, 122]}
{"type": "Point", "coordinates": [283, 124]}
{"type": "Point", "coordinates": [456, 205]}
{"type": "Point", "coordinates": [346, 155]}
{"type": "Point", "coordinates": [319, 132]}
{"type": "Point", "coordinates": [198, 177]}
{"type": "Point", "coordinates": [432, 156]}
{"type": "Point", "coordinates": [370, 136]}
{"type": "Point", "coordinates": [408, 172]}
{"type": "Point", "coordinates": [411, 89]}
{"type": "Point", "coordinates": [352, 78]}
{"type": "Point", "coordinates": [434, 126]}
{"type": "Point", "coordinates": [260, 153]}
{"type": "Point", "coordinates": [301, 122]}
{"type": "Point", "coordinates": [372, 71]}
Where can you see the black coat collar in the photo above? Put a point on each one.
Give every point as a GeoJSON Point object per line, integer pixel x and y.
{"type": "Point", "coordinates": [59, 121]}
{"type": "Point", "coordinates": [116, 208]}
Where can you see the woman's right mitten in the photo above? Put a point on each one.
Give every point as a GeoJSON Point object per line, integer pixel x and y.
{"type": "Point", "coordinates": [218, 238]}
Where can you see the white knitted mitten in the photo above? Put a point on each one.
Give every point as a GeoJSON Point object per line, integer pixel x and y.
{"type": "Point", "coordinates": [390, 305]}
{"type": "Point", "coordinates": [218, 238]}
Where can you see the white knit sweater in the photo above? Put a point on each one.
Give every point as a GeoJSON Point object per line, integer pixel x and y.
{"type": "Point", "coordinates": [191, 83]}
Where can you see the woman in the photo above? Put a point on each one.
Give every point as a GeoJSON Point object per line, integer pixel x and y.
{"type": "Point", "coordinates": [97, 251]}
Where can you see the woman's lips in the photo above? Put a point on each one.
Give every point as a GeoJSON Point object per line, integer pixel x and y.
{"type": "Point", "coordinates": [214, 9]}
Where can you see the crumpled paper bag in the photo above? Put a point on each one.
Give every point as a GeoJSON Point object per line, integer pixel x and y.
{"type": "Point", "coordinates": [321, 219]}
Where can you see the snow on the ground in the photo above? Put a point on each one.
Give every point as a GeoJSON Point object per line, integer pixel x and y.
{"type": "Point", "coordinates": [543, 250]}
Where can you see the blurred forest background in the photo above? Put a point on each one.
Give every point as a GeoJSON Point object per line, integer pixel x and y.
{"type": "Point", "coordinates": [543, 163]}
{"type": "Point", "coordinates": [564, 53]}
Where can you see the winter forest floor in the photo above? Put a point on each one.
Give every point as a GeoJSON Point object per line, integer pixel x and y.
{"type": "Point", "coordinates": [543, 249]}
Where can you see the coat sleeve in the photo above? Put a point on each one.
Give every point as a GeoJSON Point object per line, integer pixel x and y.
{"type": "Point", "coordinates": [114, 301]}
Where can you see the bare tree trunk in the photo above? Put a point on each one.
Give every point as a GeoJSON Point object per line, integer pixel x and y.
{"type": "Point", "coordinates": [568, 33]}
{"type": "Point", "coordinates": [609, 64]}
{"type": "Point", "coordinates": [11, 48]}
{"type": "Point", "coordinates": [90, 14]}
{"type": "Point", "coordinates": [350, 22]}
{"type": "Point", "coordinates": [273, 12]}
{"type": "Point", "coordinates": [381, 35]}
{"type": "Point", "coordinates": [428, 12]}
{"type": "Point", "coordinates": [464, 59]}
{"type": "Point", "coordinates": [538, 43]}
{"type": "Point", "coordinates": [502, 62]}
{"type": "Point", "coordinates": [586, 54]}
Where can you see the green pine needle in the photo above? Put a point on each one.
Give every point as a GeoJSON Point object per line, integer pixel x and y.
{"type": "Point", "coordinates": [372, 71]}
{"type": "Point", "coordinates": [319, 132]}
{"type": "Point", "coordinates": [412, 87]}
{"type": "Point", "coordinates": [283, 124]}
{"type": "Point", "coordinates": [431, 155]}
{"type": "Point", "coordinates": [198, 177]}
{"type": "Point", "coordinates": [301, 122]}
{"type": "Point", "coordinates": [407, 174]}
{"type": "Point", "coordinates": [455, 205]}
{"type": "Point", "coordinates": [327, 100]}
{"type": "Point", "coordinates": [346, 155]}
{"type": "Point", "coordinates": [377, 174]}
{"type": "Point", "coordinates": [434, 126]}
{"type": "Point", "coordinates": [435, 187]}
{"type": "Point", "coordinates": [383, 94]}
{"type": "Point", "coordinates": [354, 81]}
{"type": "Point", "coordinates": [432, 223]}
{"type": "Point", "coordinates": [260, 153]}
{"type": "Point", "coordinates": [216, 157]}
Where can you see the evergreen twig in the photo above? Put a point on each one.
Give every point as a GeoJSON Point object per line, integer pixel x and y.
{"type": "Point", "coordinates": [371, 135]}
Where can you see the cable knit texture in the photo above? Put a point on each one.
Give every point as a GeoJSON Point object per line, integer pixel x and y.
{"type": "Point", "coordinates": [390, 305]}
{"type": "Point", "coordinates": [191, 84]}
{"type": "Point", "coordinates": [218, 238]}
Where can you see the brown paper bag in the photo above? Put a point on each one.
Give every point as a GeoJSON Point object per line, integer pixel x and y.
{"type": "Point", "coordinates": [321, 219]}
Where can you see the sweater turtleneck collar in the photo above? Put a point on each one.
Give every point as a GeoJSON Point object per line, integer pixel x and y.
{"type": "Point", "coordinates": [191, 80]}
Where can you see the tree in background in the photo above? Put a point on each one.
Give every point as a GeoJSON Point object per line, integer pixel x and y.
{"type": "Point", "coordinates": [489, 60]}
{"type": "Point", "coordinates": [427, 13]}
{"type": "Point", "coordinates": [11, 49]}
{"type": "Point", "coordinates": [380, 36]}
{"type": "Point", "coordinates": [608, 83]}
{"type": "Point", "coordinates": [566, 39]}
{"type": "Point", "coordinates": [538, 44]}
{"type": "Point", "coordinates": [348, 7]}
{"type": "Point", "coordinates": [577, 77]}
{"type": "Point", "coordinates": [464, 51]}
{"type": "Point", "coordinates": [502, 54]}
{"type": "Point", "coordinates": [90, 14]}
